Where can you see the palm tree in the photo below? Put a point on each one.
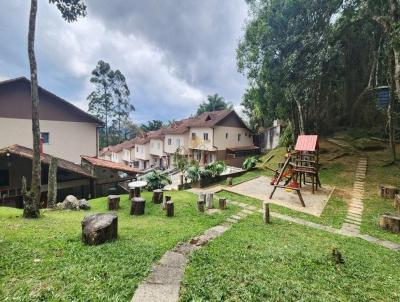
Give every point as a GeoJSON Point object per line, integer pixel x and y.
{"type": "Point", "coordinates": [214, 102]}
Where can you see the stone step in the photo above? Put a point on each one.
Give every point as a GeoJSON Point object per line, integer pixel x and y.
{"type": "Point", "coordinates": [348, 220]}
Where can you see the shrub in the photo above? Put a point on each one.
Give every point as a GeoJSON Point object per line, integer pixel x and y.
{"type": "Point", "coordinates": [216, 168]}
{"type": "Point", "coordinates": [286, 138]}
{"type": "Point", "coordinates": [157, 180]}
{"type": "Point", "coordinates": [250, 163]}
{"type": "Point", "coordinates": [193, 173]}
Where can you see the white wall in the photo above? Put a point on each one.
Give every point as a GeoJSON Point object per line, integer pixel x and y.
{"type": "Point", "coordinates": [156, 147]}
{"type": "Point", "coordinates": [174, 139]}
{"type": "Point", "coordinates": [222, 142]}
{"type": "Point", "coordinates": [142, 152]}
{"type": "Point", "coordinates": [68, 140]}
{"type": "Point", "coordinates": [199, 142]}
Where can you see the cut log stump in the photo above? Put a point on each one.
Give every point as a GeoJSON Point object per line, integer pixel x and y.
{"type": "Point", "coordinates": [222, 203]}
{"type": "Point", "coordinates": [158, 196]}
{"type": "Point", "coordinates": [229, 181]}
{"type": "Point", "coordinates": [200, 205]}
{"type": "Point", "coordinates": [170, 208]}
{"type": "Point", "coordinates": [137, 206]}
{"type": "Point", "coordinates": [388, 191]}
{"type": "Point", "coordinates": [266, 215]}
{"type": "Point", "coordinates": [134, 192]}
{"type": "Point", "coordinates": [99, 228]}
{"type": "Point", "coordinates": [390, 222]}
{"type": "Point", "coordinates": [113, 202]}
{"type": "Point", "coordinates": [209, 200]}
{"type": "Point", "coordinates": [164, 203]}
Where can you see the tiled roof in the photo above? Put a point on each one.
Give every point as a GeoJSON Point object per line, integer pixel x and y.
{"type": "Point", "coordinates": [97, 162]}
{"type": "Point", "coordinates": [117, 148]}
{"type": "Point", "coordinates": [45, 158]}
{"type": "Point", "coordinates": [307, 143]}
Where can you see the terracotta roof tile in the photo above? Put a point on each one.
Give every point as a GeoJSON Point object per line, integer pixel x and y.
{"type": "Point", "coordinates": [97, 162]}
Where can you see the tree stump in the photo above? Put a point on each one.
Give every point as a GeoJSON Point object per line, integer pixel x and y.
{"type": "Point", "coordinates": [390, 222]}
{"type": "Point", "coordinates": [202, 196]}
{"type": "Point", "coordinates": [200, 205]}
{"type": "Point", "coordinates": [266, 216]}
{"type": "Point", "coordinates": [113, 202]}
{"type": "Point", "coordinates": [158, 196]}
{"type": "Point", "coordinates": [209, 200]}
{"type": "Point", "coordinates": [222, 203]}
{"type": "Point", "coordinates": [164, 204]}
{"type": "Point", "coordinates": [387, 191]}
{"type": "Point", "coordinates": [99, 228]}
{"type": "Point", "coordinates": [229, 181]}
{"type": "Point", "coordinates": [137, 206]}
{"type": "Point", "coordinates": [170, 208]}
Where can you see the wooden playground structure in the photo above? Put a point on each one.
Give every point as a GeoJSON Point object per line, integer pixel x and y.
{"type": "Point", "coordinates": [301, 167]}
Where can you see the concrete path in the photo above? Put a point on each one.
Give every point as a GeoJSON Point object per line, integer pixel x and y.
{"type": "Point", "coordinates": [163, 283]}
{"type": "Point", "coordinates": [260, 188]}
{"type": "Point", "coordinates": [354, 213]}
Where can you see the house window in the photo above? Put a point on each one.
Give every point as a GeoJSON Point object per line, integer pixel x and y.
{"type": "Point", "coordinates": [169, 142]}
{"type": "Point", "coordinates": [193, 136]}
{"type": "Point", "coordinates": [239, 135]}
{"type": "Point", "coordinates": [226, 135]}
{"type": "Point", "coordinates": [178, 142]}
{"type": "Point", "coordinates": [205, 136]}
{"type": "Point", "coordinates": [46, 137]}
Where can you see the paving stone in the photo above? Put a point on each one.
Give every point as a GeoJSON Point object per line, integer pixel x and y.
{"type": "Point", "coordinates": [348, 220]}
{"type": "Point", "coordinates": [231, 220]}
{"type": "Point", "coordinates": [247, 211]}
{"type": "Point", "coordinates": [389, 244]}
{"type": "Point", "coordinates": [252, 208]}
{"type": "Point", "coordinates": [241, 204]}
{"type": "Point", "coordinates": [156, 293]}
{"type": "Point", "coordinates": [241, 214]}
{"type": "Point", "coordinates": [234, 202]}
{"type": "Point", "coordinates": [236, 217]}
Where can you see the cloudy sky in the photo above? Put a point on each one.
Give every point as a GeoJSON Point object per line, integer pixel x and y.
{"type": "Point", "coordinates": [173, 53]}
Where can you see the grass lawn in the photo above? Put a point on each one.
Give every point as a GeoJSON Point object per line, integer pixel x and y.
{"type": "Point", "coordinates": [44, 260]}
{"type": "Point", "coordinates": [288, 262]}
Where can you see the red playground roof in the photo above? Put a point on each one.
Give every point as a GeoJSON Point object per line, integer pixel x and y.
{"type": "Point", "coordinates": [307, 143]}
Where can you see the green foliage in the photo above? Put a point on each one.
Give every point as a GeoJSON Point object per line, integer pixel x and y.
{"type": "Point", "coordinates": [214, 102]}
{"type": "Point", "coordinates": [250, 163]}
{"type": "Point", "coordinates": [157, 180]}
{"type": "Point", "coordinates": [110, 101]}
{"type": "Point", "coordinates": [152, 125]}
{"type": "Point", "coordinates": [193, 173]}
{"type": "Point", "coordinates": [180, 160]}
{"type": "Point", "coordinates": [70, 10]}
{"type": "Point", "coordinates": [215, 168]}
{"type": "Point", "coordinates": [51, 263]}
{"type": "Point", "coordinates": [287, 137]}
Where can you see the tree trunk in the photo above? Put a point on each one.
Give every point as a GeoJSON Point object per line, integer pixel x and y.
{"type": "Point", "coordinates": [301, 117]}
{"type": "Point", "coordinates": [32, 202]}
{"type": "Point", "coordinates": [393, 96]}
{"type": "Point", "coordinates": [52, 183]}
{"type": "Point", "coordinates": [170, 208]}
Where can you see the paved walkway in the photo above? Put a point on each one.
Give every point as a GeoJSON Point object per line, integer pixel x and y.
{"type": "Point", "coordinates": [163, 283]}
{"type": "Point", "coordinates": [260, 188]}
{"type": "Point", "coordinates": [354, 212]}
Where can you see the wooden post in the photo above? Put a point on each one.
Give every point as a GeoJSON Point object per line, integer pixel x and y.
{"type": "Point", "coordinates": [397, 203]}
{"type": "Point", "coordinates": [158, 196]}
{"type": "Point", "coordinates": [229, 181]}
{"type": "Point", "coordinates": [113, 202]}
{"type": "Point", "coordinates": [266, 215]}
{"type": "Point", "coordinates": [170, 208]}
{"type": "Point", "coordinates": [222, 203]}
{"type": "Point", "coordinates": [164, 203]}
{"type": "Point", "coordinates": [202, 196]}
{"type": "Point", "coordinates": [209, 200]}
{"type": "Point", "coordinates": [136, 192]}
{"type": "Point", "coordinates": [200, 205]}
{"type": "Point", "coordinates": [137, 206]}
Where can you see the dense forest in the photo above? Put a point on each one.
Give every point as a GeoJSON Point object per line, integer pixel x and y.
{"type": "Point", "coordinates": [318, 64]}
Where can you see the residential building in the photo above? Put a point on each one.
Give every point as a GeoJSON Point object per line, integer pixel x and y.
{"type": "Point", "coordinates": [67, 131]}
{"type": "Point", "coordinates": [269, 137]}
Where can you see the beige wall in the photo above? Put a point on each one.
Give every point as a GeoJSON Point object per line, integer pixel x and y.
{"type": "Point", "coordinates": [221, 142]}
{"type": "Point", "coordinates": [183, 143]}
{"type": "Point", "coordinates": [156, 147]}
{"type": "Point", "coordinates": [199, 142]}
{"type": "Point", "coordinates": [143, 152]}
{"type": "Point", "coordinates": [68, 140]}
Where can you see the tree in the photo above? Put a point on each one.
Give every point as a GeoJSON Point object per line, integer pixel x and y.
{"type": "Point", "coordinates": [152, 125]}
{"type": "Point", "coordinates": [110, 100]}
{"type": "Point", "coordinates": [52, 183]}
{"type": "Point", "coordinates": [70, 10]}
{"type": "Point", "coordinates": [214, 102]}
{"type": "Point", "coordinates": [181, 162]}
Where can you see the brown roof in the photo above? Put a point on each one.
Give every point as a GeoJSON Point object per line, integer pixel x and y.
{"type": "Point", "coordinates": [147, 136]}
{"type": "Point", "coordinates": [45, 158]}
{"type": "Point", "coordinates": [245, 148]}
{"type": "Point", "coordinates": [15, 103]}
{"type": "Point", "coordinates": [95, 161]}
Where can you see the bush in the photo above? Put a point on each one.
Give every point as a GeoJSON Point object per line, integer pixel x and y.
{"type": "Point", "coordinates": [156, 180]}
{"type": "Point", "coordinates": [250, 162]}
{"type": "Point", "coordinates": [287, 138]}
{"type": "Point", "coordinates": [193, 173]}
{"type": "Point", "coordinates": [216, 168]}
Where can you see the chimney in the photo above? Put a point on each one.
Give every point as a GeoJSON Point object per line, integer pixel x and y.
{"type": "Point", "coordinates": [41, 145]}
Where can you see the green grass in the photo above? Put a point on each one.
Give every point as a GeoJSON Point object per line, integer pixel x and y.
{"type": "Point", "coordinates": [333, 215]}
{"type": "Point", "coordinates": [288, 262]}
{"type": "Point", "coordinates": [44, 260]}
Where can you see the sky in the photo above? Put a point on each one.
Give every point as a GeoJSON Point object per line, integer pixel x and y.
{"type": "Point", "coordinates": [173, 53]}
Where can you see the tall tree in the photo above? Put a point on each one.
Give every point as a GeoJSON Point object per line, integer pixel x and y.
{"type": "Point", "coordinates": [70, 11]}
{"type": "Point", "coordinates": [152, 125]}
{"type": "Point", "coordinates": [214, 102]}
{"type": "Point", "coordinates": [110, 101]}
